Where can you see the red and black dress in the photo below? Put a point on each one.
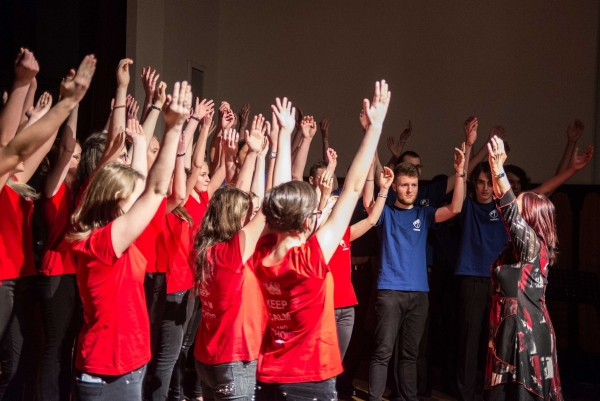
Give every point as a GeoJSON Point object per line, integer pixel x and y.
{"type": "Point", "coordinates": [521, 361]}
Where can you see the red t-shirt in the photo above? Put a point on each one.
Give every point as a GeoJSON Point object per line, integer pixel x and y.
{"type": "Point", "coordinates": [179, 273]}
{"type": "Point", "coordinates": [115, 337]}
{"type": "Point", "coordinates": [300, 343]}
{"type": "Point", "coordinates": [197, 210]}
{"type": "Point", "coordinates": [81, 192]}
{"type": "Point", "coordinates": [340, 267]}
{"type": "Point", "coordinates": [152, 242]}
{"type": "Point", "coordinates": [16, 236]}
{"type": "Point", "coordinates": [233, 311]}
{"type": "Point", "coordinates": [57, 258]}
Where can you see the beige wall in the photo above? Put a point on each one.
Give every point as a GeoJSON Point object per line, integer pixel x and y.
{"type": "Point", "coordinates": [528, 65]}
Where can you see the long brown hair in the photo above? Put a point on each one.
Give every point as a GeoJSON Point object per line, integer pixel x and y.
{"type": "Point", "coordinates": [112, 184]}
{"type": "Point", "coordinates": [539, 213]}
{"type": "Point", "coordinates": [91, 152]}
{"type": "Point", "coordinates": [222, 220]}
{"type": "Point", "coordinates": [288, 205]}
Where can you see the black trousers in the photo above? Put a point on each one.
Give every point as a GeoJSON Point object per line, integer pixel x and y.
{"type": "Point", "coordinates": [16, 336]}
{"type": "Point", "coordinates": [316, 391]}
{"type": "Point", "coordinates": [474, 304]}
{"type": "Point", "coordinates": [397, 312]}
{"type": "Point", "coordinates": [62, 318]}
{"type": "Point", "coordinates": [344, 321]}
{"type": "Point", "coordinates": [362, 280]}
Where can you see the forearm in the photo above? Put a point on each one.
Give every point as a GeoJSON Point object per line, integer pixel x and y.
{"type": "Point", "coordinates": [10, 116]}
{"type": "Point", "coordinates": [146, 107]}
{"type": "Point", "coordinates": [179, 184]}
{"type": "Point", "coordinates": [119, 114]}
{"type": "Point", "coordinates": [377, 208]}
{"type": "Point", "coordinates": [369, 188]}
{"type": "Point", "coordinates": [299, 161]}
{"type": "Point", "coordinates": [548, 187]}
{"type": "Point", "coordinates": [392, 162]}
{"type": "Point", "coordinates": [66, 148]}
{"type": "Point", "coordinates": [563, 165]}
{"type": "Point", "coordinates": [378, 166]}
{"type": "Point", "coordinates": [244, 178]}
{"type": "Point", "coordinates": [360, 166]}
{"type": "Point", "coordinates": [139, 159]}
{"type": "Point", "coordinates": [149, 124]}
{"type": "Point", "coordinates": [475, 160]}
{"type": "Point", "coordinates": [29, 98]}
{"type": "Point", "coordinates": [458, 196]}
{"type": "Point", "coordinates": [325, 146]}
{"type": "Point", "coordinates": [160, 174]}
{"type": "Point", "coordinates": [258, 180]}
{"type": "Point", "coordinates": [500, 185]}
{"type": "Point", "coordinates": [270, 173]}
{"type": "Point", "coordinates": [283, 162]}
{"type": "Point", "coordinates": [215, 150]}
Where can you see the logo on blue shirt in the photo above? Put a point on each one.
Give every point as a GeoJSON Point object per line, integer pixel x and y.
{"type": "Point", "coordinates": [417, 224]}
{"type": "Point", "coordinates": [494, 215]}
{"type": "Point", "coordinates": [424, 202]}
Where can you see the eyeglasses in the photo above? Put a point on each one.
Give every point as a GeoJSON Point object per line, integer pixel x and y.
{"type": "Point", "coordinates": [317, 215]}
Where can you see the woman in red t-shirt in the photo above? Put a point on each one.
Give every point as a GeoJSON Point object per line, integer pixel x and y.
{"type": "Point", "coordinates": [19, 159]}
{"type": "Point", "coordinates": [114, 344]}
{"type": "Point", "coordinates": [233, 315]}
{"type": "Point", "coordinates": [299, 355]}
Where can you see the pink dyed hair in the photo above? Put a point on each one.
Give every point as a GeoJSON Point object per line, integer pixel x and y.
{"type": "Point", "coordinates": [539, 213]}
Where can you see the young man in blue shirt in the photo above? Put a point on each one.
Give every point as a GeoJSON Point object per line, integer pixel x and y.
{"type": "Point", "coordinates": [402, 299]}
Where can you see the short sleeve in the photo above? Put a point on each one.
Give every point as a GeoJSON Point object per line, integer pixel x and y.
{"type": "Point", "coordinates": [227, 254]}
{"type": "Point", "coordinates": [101, 246]}
{"type": "Point", "coordinates": [384, 212]}
{"type": "Point", "coordinates": [430, 215]}
{"type": "Point", "coordinates": [51, 205]}
{"type": "Point", "coordinates": [312, 258]}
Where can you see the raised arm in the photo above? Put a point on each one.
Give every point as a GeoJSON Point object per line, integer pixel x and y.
{"type": "Point", "coordinates": [308, 128]}
{"type": "Point", "coordinates": [244, 115]}
{"type": "Point", "coordinates": [521, 234]}
{"type": "Point", "coordinates": [128, 227]}
{"type": "Point", "coordinates": [326, 185]}
{"type": "Point", "coordinates": [482, 153]}
{"type": "Point", "coordinates": [258, 179]}
{"type": "Point", "coordinates": [66, 148]}
{"type": "Point", "coordinates": [199, 154]}
{"type": "Point", "coordinates": [135, 133]}
{"type": "Point", "coordinates": [256, 141]}
{"type": "Point", "coordinates": [324, 127]}
{"type": "Point", "coordinates": [470, 128]}
{"type": "Point", "coordinates": [229, 148]}
{"type": "Point", "coordinates": [577, 163]}
{"type": "Point", "coordinates": [151, 118]}
{"type": "Point", "coordinates": [285, 114]}
{"type": "Point", "coordinates": [178, 193]}
{"type": "Point", "coordinates": [574, 132]}
{"type": "Point", "coordinates": [26, 68]}
{"type": "Point", "coordinates": [397, 147]}
{"type": "Point", "coordinates": [330, 234]}
{"type": "Point", "coordinates": [447, 212]}
{"type": "Point", "coordinates": [273, 135]}
{"type": "Point", "coordinates": [226, 121]}
{"type": "Point", "coordinates": [149, 78]}
{"type": "Point", "coordinates": [369, 188]}
{"type": "Point", "coordinates": [29, 101]}
{"type": "Point", "coordinates": [74, 87]}
{"type": "Point", "coordinates": [119, 113]}
{"type": "Point", "coordinates": [358, 229]}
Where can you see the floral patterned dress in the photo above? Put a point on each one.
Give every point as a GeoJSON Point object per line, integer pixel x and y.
{"type": "Point", "coordinates": [521, 361]}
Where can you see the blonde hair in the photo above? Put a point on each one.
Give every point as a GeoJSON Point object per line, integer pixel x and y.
{"type": "Point", "coordinates": [112, 184]}
{"type": "Point", "coordinates": [223, 218]}
{"type": "Point", "coordinates": [24, 190]}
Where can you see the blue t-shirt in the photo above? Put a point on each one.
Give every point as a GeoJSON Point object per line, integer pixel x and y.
{"type": "Point", "coordinates": [403, 234]}
{"type": "Point", "coordinates": [483, 238]}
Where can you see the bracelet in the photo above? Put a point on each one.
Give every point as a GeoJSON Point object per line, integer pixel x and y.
{"type": "Point", "coordinates": [180, 154]}
{"type": "Point", "coordinates": [382, 196]}
{"type": "Point", "coordinates": [153, 107]}
{"type": "Point", "coordinates": [118, 107]}
{"type": "Point", "coordinates": [463, 175]}
{"type": "Point", "coordinates": [501, 175]}
{"type": "Point", "coordinates": [194, 118]}
{"type": "Point", "coordinates": [273, 155]}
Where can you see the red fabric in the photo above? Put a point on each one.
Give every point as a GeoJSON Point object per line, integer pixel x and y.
{"type": "Point", "coordinates": [178, 241]}
{"type": "Point", "coordinates": [340, 267]}
{"type": "Point", "coordinates": [81, 192]}
{"type": "Point", "coordinates": [230, 330]}
{"type": "Point", "coordinates": [300, 343]}
{"type": "Point", "coordinates": [152, 242]}
{"type": "Point", "coordinates": [57, 258]}
{"type": "Point", "coordinates": [197, 210]}
{"type": "Point", "coordinates": [115, 337]}
{"type": "Point", "coordinates": [16, 237]}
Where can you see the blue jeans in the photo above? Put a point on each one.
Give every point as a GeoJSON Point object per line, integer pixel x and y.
{"type": "Point", "coordinates": [91, 387]}
{"type": "Point", "coordinates": [320, 391]}
{"type": "Point", "coordinates": [227, 381]}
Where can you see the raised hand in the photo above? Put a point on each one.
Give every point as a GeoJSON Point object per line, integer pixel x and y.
{"type": "Point", "coordinates": [325, 183]}
{"type": "Point", "coordinates": [575, 130]}
{"type": "Point", "coordinates": [470, 128]}
{"type": "Point", "coordinates": [229, 142]}
{"type": "Point", "coordinates": [244, 116]}
{"type": "Point", "coordinates": [308, 126]}
{"type": "Point", "coordinates": [132, 107]}
{"type": "Point", "coordinates": [299, 117]}
{"type": "Point", "coordinates": [134, 130]}
{"type": "Point", "coordinates": [285, 113]}
{"type": "Point", "coordinates": [273, 131]}
{"type": "Point", "coordinates": [324, 126]}
{"type": "Point", "coordinates": [386, 178]}
{"type": "Point", "coordinates": [255, 138]}
{"type": "Point", "coordinates": [331, 159]}
{"type": "Point", "coordinates": [498, 131]}
{"type": "Point", "coordinates": [123, 73]}
{"type": "Point", "coordinates": [203, 108]}
{"type": "Point", "coordinates": [75, 85]}
{"type": "Point", "coordinates": [149, 78]}
{"type": "Point", "coordinates": [459, 159]}
{"type": "Point", "coordinates": [160, 96]}
{"type": "Point", "coordinates": [26, 67]}
{"type": "Point", "coordinates": [377, 109]}
{"type": "Point", "coordinates": [406, 133]}
{"type": "Point", "coordinates": [227, 118]}
{"type": "Point", "coordinates": [580, 161]}
{"type": "Point", "coordinates": [42, 107]}
{"type": "Point", "coordinates": [496, 154]}
{"type": "Point", "coordinates": [364, 120]}
{"type": "Point", "coordinates": [178, 105]}
{"type": "Point", "coordinates": [394, 147]}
